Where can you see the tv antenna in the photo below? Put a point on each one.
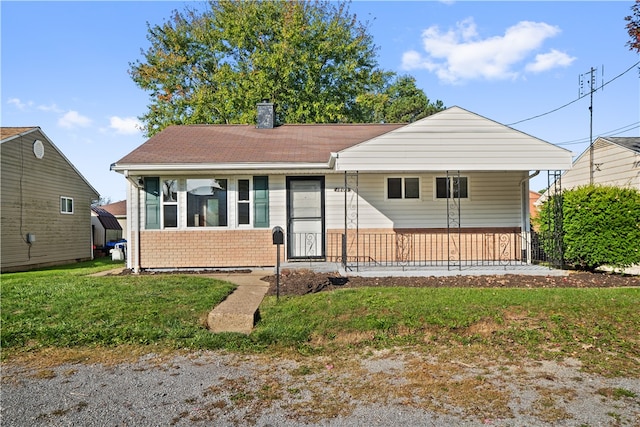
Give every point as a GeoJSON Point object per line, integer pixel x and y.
{"type": "Point", "coordinates": [587, 82]}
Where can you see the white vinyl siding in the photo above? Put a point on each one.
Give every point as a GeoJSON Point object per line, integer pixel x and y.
{"type": "Point", "coordinates": [496, 203]}
{"type": "Point", "coordinates": [454, 139]}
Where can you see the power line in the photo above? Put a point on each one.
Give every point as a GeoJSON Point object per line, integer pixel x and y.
{"type": "Point", "coordinates": [577, 99]}
{"type": "Point", "coordinates": [613, 132]}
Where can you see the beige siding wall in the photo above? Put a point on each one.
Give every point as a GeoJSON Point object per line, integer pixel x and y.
{"type": "Point", "coordinates": [494, 201]}
{"type": "Point", "coordinates": [614, 166]}
{"type": "Point", "coordinates": [31, 191]}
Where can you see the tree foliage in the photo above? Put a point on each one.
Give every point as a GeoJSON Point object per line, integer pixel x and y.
{"type": "Point", "coordinates": [314, 60]}
{"type": "Point", "coordinates": [633, 27]}
{"type": "Point", "coordinates": [601, 226]}
{"type": "Point", "coordinates": [399, 101]}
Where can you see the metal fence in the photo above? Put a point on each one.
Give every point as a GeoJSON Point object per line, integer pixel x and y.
{"type": "Point", "coordinates": [436, 249]}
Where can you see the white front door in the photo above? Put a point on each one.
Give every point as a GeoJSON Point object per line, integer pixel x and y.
{"type": "Point", "coordinates": [306, 217]}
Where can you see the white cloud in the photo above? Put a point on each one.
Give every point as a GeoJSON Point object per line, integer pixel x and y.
{"type": "Point", "coordinates": [73, 119]}
{"type": "Point", "coordinates": [547, 61]}
{"type": "Point", "coordinates": [18, 103]}
{"type": "Point", "coordinates": [50, 108]}
{"type": "Point", "coordinates": [460, 54]}
{"type": "Point", "coordinates": [126, 125]}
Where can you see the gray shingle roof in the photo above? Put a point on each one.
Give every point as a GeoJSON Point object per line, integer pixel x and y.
{"type": "Point", "coordinates": [630, 143]}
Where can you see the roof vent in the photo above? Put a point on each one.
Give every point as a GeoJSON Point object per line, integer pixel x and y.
{"type": "Point", "coordinates": [266, 116]}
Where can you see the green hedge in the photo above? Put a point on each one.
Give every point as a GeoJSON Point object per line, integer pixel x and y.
{"type": "Point", "coordinates": [601, 226]}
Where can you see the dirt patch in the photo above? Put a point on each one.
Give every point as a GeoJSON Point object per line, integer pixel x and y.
{"type": "Point", "coordinates": [302, 282]}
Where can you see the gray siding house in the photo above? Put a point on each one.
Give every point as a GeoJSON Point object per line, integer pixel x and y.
{"type": "Point", "coordinates": [45, 205]}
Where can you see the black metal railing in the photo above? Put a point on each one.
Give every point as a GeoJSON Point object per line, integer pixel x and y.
{"type": "Point", "coordinates": [437, 249]}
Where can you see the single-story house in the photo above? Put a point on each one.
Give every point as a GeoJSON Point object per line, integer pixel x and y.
{"type": "Point", "coordinates": [106, 228]}
{"type": "Point", "coordinates": [615, 160]}
{"type": "Point", "coordinates": [119, 211]}
{"type": "Point", "coordinates": [46, 203]}
{"type": "Point", "coordinates": [450, 188]}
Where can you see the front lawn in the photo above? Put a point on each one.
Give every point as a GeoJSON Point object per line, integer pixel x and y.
{"type": "Point", "coordinates": [63, 308]}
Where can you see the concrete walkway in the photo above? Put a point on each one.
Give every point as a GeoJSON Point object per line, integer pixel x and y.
{"type": "Point", "coordinates": [239, 312]}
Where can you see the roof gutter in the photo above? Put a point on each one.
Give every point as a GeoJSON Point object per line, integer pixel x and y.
{"type": "Point", "coordinates": [533, 175]}
{"type": "Point", "coordinates": [218, 166]}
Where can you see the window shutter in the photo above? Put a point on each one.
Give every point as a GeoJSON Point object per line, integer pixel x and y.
{"type": "Point", "coordinates": [261, 201]}
{"type": "Point", "coordinates": [152, 203]}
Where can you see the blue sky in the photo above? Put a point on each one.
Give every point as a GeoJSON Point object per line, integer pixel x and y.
{"type": "Point", "coordinates": [64, 68]}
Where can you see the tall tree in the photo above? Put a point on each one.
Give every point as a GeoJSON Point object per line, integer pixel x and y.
{"type": "Point", "coordinates": [312, 58]}
{"type": "Point", "coordinates": [397, 99]}
{"type": "Point", "coordinates": [633, 27]}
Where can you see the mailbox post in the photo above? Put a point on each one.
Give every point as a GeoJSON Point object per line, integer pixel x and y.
{"type": "Point", "coordinates": [278, 239]}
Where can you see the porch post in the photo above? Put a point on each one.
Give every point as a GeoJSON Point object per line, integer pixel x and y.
{"type": "Point", "coordinates": [344, 236]}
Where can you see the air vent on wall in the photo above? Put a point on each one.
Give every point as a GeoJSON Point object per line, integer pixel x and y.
{"type": "Point", "coordinates": [38, 149]}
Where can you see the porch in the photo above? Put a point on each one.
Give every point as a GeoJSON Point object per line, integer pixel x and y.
{"type": "Point", "coordinates": [403, 250]}
{"type": "Point", "coordinates": [426, 253]}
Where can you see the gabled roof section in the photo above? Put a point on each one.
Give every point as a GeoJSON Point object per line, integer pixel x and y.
{"type": "Point", "coordinates": [630, 143]}
{"type": "Point", "coordinates": [108, 221]}
{"type": "Point", "coordinates": [245, 144]}
{"type": "Point", "coordinates": [10, 133]}
{"type": "Point", "coordinates": [454, 139]}
{"type": "Point", "coordinates": [116, 208]}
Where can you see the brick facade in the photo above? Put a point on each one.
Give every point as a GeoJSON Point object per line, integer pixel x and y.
{"type": "Point", "coordinates": [207, 248]}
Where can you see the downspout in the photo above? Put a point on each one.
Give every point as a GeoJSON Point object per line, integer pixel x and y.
{"type": "Point", "coordinates": [526, 215]}
{"type": "Point", "coordinates": [136, 231]}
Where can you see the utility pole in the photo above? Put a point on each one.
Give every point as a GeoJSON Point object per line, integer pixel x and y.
{"type": "Point", "coordinates": [592, 83]}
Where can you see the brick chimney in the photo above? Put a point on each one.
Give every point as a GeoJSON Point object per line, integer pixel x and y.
{"type": "Point", "coordinates": [266, 115]}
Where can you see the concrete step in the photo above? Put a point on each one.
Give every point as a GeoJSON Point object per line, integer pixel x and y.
{"type": "Point", "coordinates": [239, 312]}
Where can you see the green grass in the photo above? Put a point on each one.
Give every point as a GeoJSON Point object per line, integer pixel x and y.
{"type": "Point", "coordinates": [600, 327]}
{"type": "Point", "coordinates": [64, 308]}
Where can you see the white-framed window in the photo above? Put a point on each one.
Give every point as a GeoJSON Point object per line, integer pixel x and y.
{"type": "Point", "coordinates": [66, 205]}
{"type": "Point", "coordinates": [169, 203]}
{"type": "Point", "coordinates": [244, 201]}
{"type": "Point", "coordinates": [172, 203]}
{"type": "Point", "coordinates": [207, 202]}
{"type": "Point", "coordinates": [403, 188]}
{"type": "Point", "coordinates": [452, 187]}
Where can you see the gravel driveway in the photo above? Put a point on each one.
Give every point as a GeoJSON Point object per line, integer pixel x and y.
{"type": "Point", "coordinates": [373, 389]}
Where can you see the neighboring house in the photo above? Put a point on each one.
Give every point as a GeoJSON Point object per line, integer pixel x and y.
{"type": "Point", "coordinates": [450, 188]}
{"type": "Point", "coordinates": [118, 210]}
{"type": "Point", "coordinates": [534, 196]}
{"type": "Point", "coordinates": [105, 226]}
{"type": "Point", "coordinates": [45, 203]}
{"type": "Point", "coordinates": [616, 162]}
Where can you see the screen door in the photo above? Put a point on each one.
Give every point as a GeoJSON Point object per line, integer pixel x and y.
{"type": "Point", "coordinates": [306, 217]}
